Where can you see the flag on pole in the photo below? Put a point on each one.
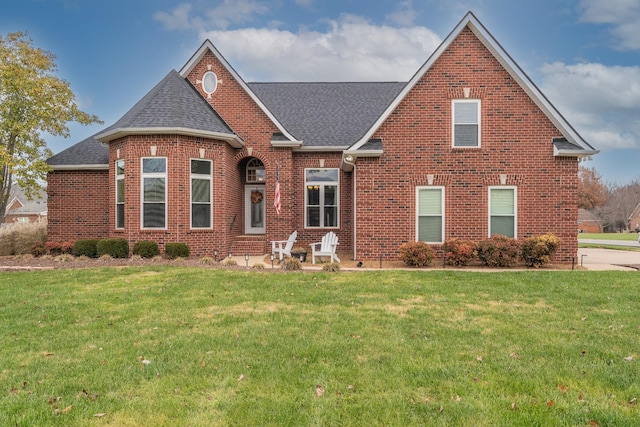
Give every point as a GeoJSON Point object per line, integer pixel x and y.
{"type": "Point", "coordinates": [276, 198]}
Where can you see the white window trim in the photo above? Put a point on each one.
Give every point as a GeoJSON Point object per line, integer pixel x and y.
{"type": "Point", "coordinates": [322, 185]}
{"type": "Point", "coordinates": [453, 122]}
{"type": "Point", "coordinates": [515, 207]}
{"type": "Point", "coordinates": [209, 177]}
{"type": "Point", "coordinates": [118, 178]}
{"type": "Point", "coordinates": [430, 187]}
{"type": "Point", "coordinates": [166, 191]}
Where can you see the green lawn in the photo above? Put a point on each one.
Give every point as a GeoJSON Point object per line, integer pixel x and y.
{"type": "Point", "coordinates": [609, 236]}
{"type": "Point", "coordinates": [173, 346]}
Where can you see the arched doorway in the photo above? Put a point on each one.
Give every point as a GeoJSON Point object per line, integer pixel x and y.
{"type": "Point", "coordinates": [254, 198]}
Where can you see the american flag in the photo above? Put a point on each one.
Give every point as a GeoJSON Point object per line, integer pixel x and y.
{"type": "Point", "coordinates": [276, 198]}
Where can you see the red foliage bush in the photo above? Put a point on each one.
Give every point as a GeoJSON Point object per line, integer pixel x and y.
{"type": "Point", "coordinates": [499, 251]}
{"type": "Point", "coordinates": [459, 252]}
{"type": "Point", "coordinates": [416, 254]}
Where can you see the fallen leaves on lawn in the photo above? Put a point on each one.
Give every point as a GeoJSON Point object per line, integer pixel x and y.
{"type": "Point", "coordinates": [100, 415]}
{"type": "Point", "coordinates": [563, 388]}
{"type": "Point", "coordinates": [241, 377]}
{"type": "Point", "coordinates": [319, 390]}
{"type": "Point", "coordinates": [551, 403]}
{"type": "Point", "coordinates": [63, 411]}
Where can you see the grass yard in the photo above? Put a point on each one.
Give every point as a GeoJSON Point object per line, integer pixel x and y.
{"type": "Point", "coordinates": [173, 346]}
{"type": "Point", "coordinates": [632, 237]}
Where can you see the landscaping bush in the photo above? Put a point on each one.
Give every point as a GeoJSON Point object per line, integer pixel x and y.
{"type": "Point", "coordinates": [332, 267]}
{"type": "Point", "coordinates": [538, 250]}
{"type": "Point", "coordinates": [176, 250]}
{"type": "Point", "coordinates": [59, 248]}
{"type": "Point", "coordinates": [291, 264]}
{"type": "Point", "coordinates": [499, 251]}
{"type": "Point", "coordinates": [115, 248]}
{"type": "Point", "coordinates": [459, 252]}
{"type": "Point", "coordinates": [416, 254]}
{"type": "Point", "coordinates": [19, 239]}
{"type": "Point", "coordinates": [85, 247]}
{"type": "Point", "coordinates": [146, 249]}
{"type": "Point", "coordinates": [38, 249]}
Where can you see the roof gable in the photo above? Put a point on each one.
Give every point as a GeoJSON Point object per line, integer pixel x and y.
{"type": "Point", "coordinates": [207, 46]}
{"type": "Point", "coordinates": [172, 106]}
{"type": "Point", "coordinates": [575, 145]}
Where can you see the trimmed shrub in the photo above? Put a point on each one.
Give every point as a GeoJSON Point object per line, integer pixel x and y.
{"type": "Point", "coordinates": [291, 264]}
{"type": "Point", "coordinates": [207, 260]}
{"type": "Point", "coordinates": [538, 250]}
{"type": "Point", "coordinates": [459, 252]}
{"type": "Point", "coordinates": [499, 251]}
{"type": "Point", "coordinates": [332, 267]}
{"type": "Point", "coordinates": [59, 248]}
{"type": "Point", "coordinates": [176, 250]}
{"type": "Point", "coordinates": [85, 247]}
{"type": "Point", "coordinates": [38, 249]}
{"type": "Point", "coordinates": [258, 266]}
{"type": "Point", "coordinates": [146, 249]}
{"type": "Point", "coordinates": [229, 262]}
{"type": "Point", "coordinates": [115, 248]}
{"type": "Point", "coordinates": [416, 254]}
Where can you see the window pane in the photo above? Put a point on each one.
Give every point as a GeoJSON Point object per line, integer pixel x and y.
{"type": "Point", "coordinates": [330, 195]}
{"type": "Point", "coordinates": [154, 165]}
{"type": "Point", "coordinates": [120, 216]}
{"type": "Point", "coordinates": [200, 190]}
{"type": "Point", "coordinates": [313, 195]}
{"type": "Point", "coordinates": [153, 215]}
{"type": "Point", "coordinates": [324, 175]}
{"type": "Point", "coordinates": [201, 167]}
{"type": "Point", "coordinates": [465, 112]}
{"type": "Point", "coordinates": [466, 136]}
{"type": "Point", "coordinates": [430, 202]}
{"type": "Point", "coordinates": [154, 189]}
{"type": "Point", "coordinates": [502, 201]}
{"type": "Point", "coordinates": [120, 191]}
{"type": "Point", "coordinates": [331, 216]}
{"type": "Point", "coordinates": [201, 216]}
{"type": "Point", "coordinates": [313, 216]}
{"type": "Point", "coordinates": [430, 228]}
{"type": "Point", "coordinates": [503, 225]}
{"type": "Point", "coordinates": [120, 167]}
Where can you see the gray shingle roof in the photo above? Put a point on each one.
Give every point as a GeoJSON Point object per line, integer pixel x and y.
{"type": "Point", "coordinates": [327, 114]}
{"type": "Point", "coordinates": [89, 151]}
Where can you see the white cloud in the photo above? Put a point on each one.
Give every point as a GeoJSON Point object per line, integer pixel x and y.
{"type": "Point", "coordinates": [622, 15]}
{"type": "Point", "coordinates": [222, 16]}
{"type": "Point", "coordinates": [601, 102]}
{"type": "Point", "coordinates": [405, 16]}
{"type": "Point", "coordinates": [351, 49]}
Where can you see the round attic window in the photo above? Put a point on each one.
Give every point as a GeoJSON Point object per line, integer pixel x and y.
{"type": "Point", "coordinates": [209, 82]}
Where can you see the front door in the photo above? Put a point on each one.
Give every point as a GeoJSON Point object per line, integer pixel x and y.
{"type": "Point", "coordinates": [254, 209]}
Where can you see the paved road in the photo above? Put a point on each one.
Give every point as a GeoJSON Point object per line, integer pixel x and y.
{"type": "Point", "coordinates": [610, 242]}
{"type": "Point", "coordinates": [607, 259]}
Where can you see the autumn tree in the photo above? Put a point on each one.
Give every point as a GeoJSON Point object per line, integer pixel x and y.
{"type": "Point", "coordinates": [33, 103]}
{"type": "Point", "coordinates": [592, 193]}
{"type": "Point", "coordinates": [620, 204]}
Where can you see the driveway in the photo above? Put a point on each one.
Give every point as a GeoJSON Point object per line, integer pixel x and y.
{"type": "Point", "coordinates": [632, 243]}
{"type": "Point", "coordinates": [608, 259]}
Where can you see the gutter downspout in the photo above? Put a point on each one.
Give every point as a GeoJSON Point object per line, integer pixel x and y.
{"type": "Point", "coordinates": [349, 159]}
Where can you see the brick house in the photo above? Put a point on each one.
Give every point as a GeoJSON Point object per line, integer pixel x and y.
{"type": "Point", "coordinates": [634, 219]}
{"type": "Point", "coordinates": [469, 147]}
{"type": "Point", "coordinates": [22, 210]}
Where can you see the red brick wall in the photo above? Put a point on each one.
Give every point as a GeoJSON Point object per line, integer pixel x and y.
{"type": "Point", "coordinates": [516, 140]}
{"type": "Point", "coordinates": [78, 207]}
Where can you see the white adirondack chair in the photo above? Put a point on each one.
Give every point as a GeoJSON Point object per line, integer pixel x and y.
{"type": "Point", "coordinates": [327, 247]}
{"type": "Point", "coordinates": [283, 247]}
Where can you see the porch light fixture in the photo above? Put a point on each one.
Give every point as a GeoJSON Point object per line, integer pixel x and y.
{"type": "Point", "coordinates": [348, 158]}
{"type": "Point", "coordinates": [246, 259]}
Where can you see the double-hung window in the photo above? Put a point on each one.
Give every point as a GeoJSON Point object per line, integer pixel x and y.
{"type": "Point", "coordinates": [321, 197]}
{"type": "Point", "coordinates": [154, 192]}
{"type": "Point", "coordinates": [201, 180]}
{"type": "Point", "coordinates": [466, 123]}
{"type": "Point", "coordinates": [503, 211]}
{"type": "Point", "coordinates": [120, 194]}
{"type": "Point", "coordinates": [430, 214]}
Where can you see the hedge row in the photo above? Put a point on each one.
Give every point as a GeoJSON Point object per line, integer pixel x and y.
{"type": "Point", "coordinates": [496, 251]}
{"type": "Point", "coordinates": [115, 248]}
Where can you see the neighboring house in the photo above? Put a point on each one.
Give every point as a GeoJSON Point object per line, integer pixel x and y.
{"type": "Point", "coordinates": [468, 148]}
{"type": "Point", "coordinates": [634, 219]}
{"type": "Point", "coordinates": [588, 222]}
{"type": "Point", "coordinates": [21, 210]}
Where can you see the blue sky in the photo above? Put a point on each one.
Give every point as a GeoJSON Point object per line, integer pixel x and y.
{"type": "Point", "coordinates": [583, 54]}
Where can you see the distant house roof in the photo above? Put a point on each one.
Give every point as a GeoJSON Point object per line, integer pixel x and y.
{"type": "Point", "coordinates": [19, 203]}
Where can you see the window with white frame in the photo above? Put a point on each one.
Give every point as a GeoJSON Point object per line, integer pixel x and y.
{"type": "Point", "coordinates": [321, 197]}
{"type": "Point", "coordinates": [120, 194]}
{"type": "Point", "coordinates": [201, 187]}
{"type": "Point", "coordinates": [466, 123]}
{"type": "Point", "coordinates": [503, 211]}
{"type": "Point", "coordinates": [154, 192]}
{"type": "Point", "coordinates": [430, 214]}
{"type": "Point", "coordinates": [255, 172]}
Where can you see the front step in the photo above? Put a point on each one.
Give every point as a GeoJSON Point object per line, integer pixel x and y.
{"type": "Point", "coordinates": [248, 244]}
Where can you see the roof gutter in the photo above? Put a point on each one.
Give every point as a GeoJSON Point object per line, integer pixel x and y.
{"type": "Point", "coordinates": [95, 167]}
{"type": "Point", "coordinates": [234, 140]}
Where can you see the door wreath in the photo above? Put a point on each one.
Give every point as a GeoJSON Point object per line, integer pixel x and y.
{"type": "Point", "coordinates": [256, 197]}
